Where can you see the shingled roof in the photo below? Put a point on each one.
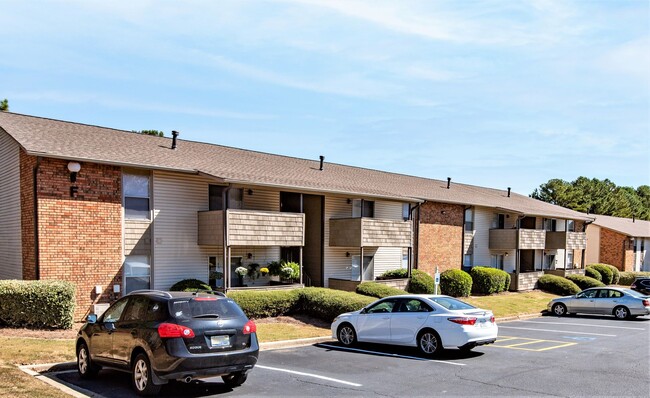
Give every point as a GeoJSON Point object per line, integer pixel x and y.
{"type": "Point", "coordinates": [74, 141]}
{"type": "Point", "coordinates": [626, 226]}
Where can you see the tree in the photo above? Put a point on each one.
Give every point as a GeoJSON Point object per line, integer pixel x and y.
{"type": "Point", "coordinates": [157, 133]}
{"type": "Point", "coordinates": [4, 105]}
{"type": "Point", "coordinates": [597, 197]}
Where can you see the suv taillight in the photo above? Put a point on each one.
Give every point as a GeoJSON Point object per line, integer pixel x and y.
{"type": "Point", "coordinates": [463, 320]}
{"type": "Point", "coordinates": [250, 327]}
{"type": "Point", "coordinates": [173, 330]}
{"type": "Point", "coordinates": [646, 303]}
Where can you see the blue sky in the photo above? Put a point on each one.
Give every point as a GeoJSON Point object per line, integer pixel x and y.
{"type": "Point", "coordinates": [492, 93]}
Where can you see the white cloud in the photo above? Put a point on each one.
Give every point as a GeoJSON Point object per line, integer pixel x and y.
{"type": "Point", "coordinates": [631, 59]}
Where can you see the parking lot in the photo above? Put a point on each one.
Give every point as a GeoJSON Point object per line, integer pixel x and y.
{"type": "Point", "coordinates": [549, 356]}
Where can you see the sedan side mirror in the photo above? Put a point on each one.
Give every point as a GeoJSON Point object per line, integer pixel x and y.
{"type": "Point", "coordinates": [92, 318]}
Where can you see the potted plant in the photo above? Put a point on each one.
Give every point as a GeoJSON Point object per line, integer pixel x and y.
{"type": "Point", "coordinates": [253, 271]}
{"type": "Point", "coordinates": [290, 272]}
{"type": "Point", "coordinates": [241, 272]}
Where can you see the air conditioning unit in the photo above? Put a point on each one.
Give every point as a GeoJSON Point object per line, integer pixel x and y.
{"type": "Point", "coordinates": [99, 309]}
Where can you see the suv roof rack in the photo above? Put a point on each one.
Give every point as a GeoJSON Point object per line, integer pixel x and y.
{"type": "Point", "coordinates": [155, 292]}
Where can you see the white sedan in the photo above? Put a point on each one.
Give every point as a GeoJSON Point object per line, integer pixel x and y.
{"type": "Point", "coordinates": [429, 322]}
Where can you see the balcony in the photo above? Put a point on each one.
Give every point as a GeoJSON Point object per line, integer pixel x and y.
{"type": "Point", "coordinates": [506, 239]}
{"type": "Point", "coordinates": [251, 228]}
{"type": "Point", "coordinates": [566, 240]}
{"type": "Point", "coordinates": [370, 232]}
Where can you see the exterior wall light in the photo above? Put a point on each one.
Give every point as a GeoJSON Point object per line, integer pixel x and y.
{"type": "Point", "coordinates": [73, 168]}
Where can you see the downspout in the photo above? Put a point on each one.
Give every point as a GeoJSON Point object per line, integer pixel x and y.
{"type": "Point", "coordinates": [37, 267]}
{"type": "Point", "coordinates": [416, 232]}
{"type": "Point", "coordinates": [226, 258]}
{"type": "Point", "coordinates": [584, 229]}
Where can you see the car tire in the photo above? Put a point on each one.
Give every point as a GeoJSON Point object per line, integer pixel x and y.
{"type": "Point", "coordinates": [85, 366]}
{"type": "Point", "coordinates": [346, 335]}
{"type": "Point", "coordinates": [141, 376]}
{"type": "Point", "coordinates": [234, 379]}
{"type": "Point", "coordinates": [559, 309]}
{"type": "Point", "coordinates": [429, 342]}
{"type": "Point", "coordinates": [621, 312]}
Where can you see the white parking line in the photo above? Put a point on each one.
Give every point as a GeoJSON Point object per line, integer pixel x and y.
{"type": "Point", "coordinates": [557, 331]}
{"type": "Point", "coordinates": [583, 324]}
{"type": "Point", "coordinates": [309, 375]}
{"type": "Point", "coordinates": [388, 355]}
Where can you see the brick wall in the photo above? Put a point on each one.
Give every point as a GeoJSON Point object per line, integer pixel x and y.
{"type": "Point", "coordinates": [440, 237]}
{"type": "Point", "coordinates": [27, 164]}
{"type": "Point", "coordinates": [616, 250]}
{"type": "Point", "coordinates": [80, 238]}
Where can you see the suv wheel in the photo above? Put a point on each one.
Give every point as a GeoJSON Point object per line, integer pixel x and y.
{"type": "Point", "coordinates": [86, 368]}
{"type": "Point", "coordinates": [234, 379]}
{"type": "Point", "coordinates": [141, 376]}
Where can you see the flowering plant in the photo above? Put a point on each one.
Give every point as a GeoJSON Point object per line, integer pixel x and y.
{"type": "Point", "coordinates": [264, 271]}
{"type": "Point", "coordinates": [241, 271]}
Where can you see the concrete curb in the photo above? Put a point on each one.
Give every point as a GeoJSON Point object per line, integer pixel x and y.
{"type": "Point", "coordinates": [40, 372]}
{"type": "Point", "coordinates": [519, 317]}
{"type": "Point", "coordinates": [276, 345]}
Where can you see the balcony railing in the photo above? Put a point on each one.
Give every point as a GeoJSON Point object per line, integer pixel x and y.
{"type": "Point", "coordinates": [251, 228]}
{"type": "Point", "coordinates": [506, 239]}
{"type": "Point", "coordinates": [370, 232]}
{"type": "Point", "coordinates": [566, 240]}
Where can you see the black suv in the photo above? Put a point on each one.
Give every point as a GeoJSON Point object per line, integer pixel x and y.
{"type": "Point", "coordinates": [160, 336]}
{"type": "Point", "coordinates": [641, 285]}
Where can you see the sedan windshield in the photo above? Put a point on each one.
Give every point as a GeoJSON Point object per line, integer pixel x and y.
{"type": "Point", "coordinates": [451, 303]}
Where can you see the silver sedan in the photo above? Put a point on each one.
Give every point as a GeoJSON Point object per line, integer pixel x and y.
{"type": "Point", "coordinates": [620, 302]}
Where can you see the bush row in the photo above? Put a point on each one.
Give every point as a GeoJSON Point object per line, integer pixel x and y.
{"type": "Point", "coordinates": [378, 290]}
{"type": "Point", "coordinates": [489, 280]}
{"type": "Point", "coordinates": [456, 283]}
{"type": "Point", "coordinates": [557, 285]}
{"type": "Point", "coordinates": [584, 282]}
{"type": "Point", "coordinates": [592, 273]}
{"type": "Point", "coordinates": [321, 303]}
{"type": "Point", "coordinates": [37, 304]}
{"type": "Point", "coordinates": [421, 282]}
{"type": "Point", "coordinates": [610, 274]}
{"type": "Point", "coordinates": [628, 277]}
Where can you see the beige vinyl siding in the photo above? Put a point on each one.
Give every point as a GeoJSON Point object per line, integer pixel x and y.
{"type": "Point", "coordinates": [176, 200]}
{"type": "Point", "coordinates": [388, 210]}
{"type": "Point", "coordinates": [261, 199]}
{"type": "Point", "coordinates": [10, 231]}
{"type": "Point", "coordinates": [387, 258]}
{"type": "Point", "coordinates": [482, 224]}
{"type": "Point", "coordinates": [336, 263]}
{"type": "Point", "coordinates": [137, 237]}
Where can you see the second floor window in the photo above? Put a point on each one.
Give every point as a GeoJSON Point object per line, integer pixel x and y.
{"type": "Point", "coordinates": [136, 196]}
{"type": "Point", "coordinates": [469, 219]}
{"type": "Point", "coordinates": [570, 225]}
{"type": "Point", "coordinates": [363, 208]}
{"type": "Point", "coordinates": [216, 198]}
{"type": "Point", "coordinates": [550, 224]}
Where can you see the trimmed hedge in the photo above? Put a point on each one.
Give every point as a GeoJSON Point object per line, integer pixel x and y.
{"type": "Point", "coordinates": [263, 304]}
{"type": "Point", "coordinates": [421, 282]}
{"type": "Point", "coordinates": [327, 304]}
{"type": "Point", "coordinates": [378, 290]}
{"type": "Point", "coordinates": [456, 283]}
{"type": "Point", "coordinates": [593, 273]}
{"type": "Point", "coordinates": [557, 285]}
{"type": "Point", "coordinates": [626, 278]}
{"type": "Point", "coordinates": [189, 285]}
{"type": "Point", "coordinates": [38, 304]}
{"type": "Point", "coordinates": [487, 280]}
{"type": "Point", "coordinates": [616, 274]}
{"type": "Point", "coordinates": [585, 282]}
{"type": "Point", "coordinates": [605, 271]}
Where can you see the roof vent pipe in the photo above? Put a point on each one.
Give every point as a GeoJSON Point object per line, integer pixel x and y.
{"type": "Point", "coordinates": [174, 135]}
{"type": "Point", "coordinates": [322, 158]}
{"type": "Point", "coordinates": [448, 182]}
{"type": "Point", "coordinates": [508, 191]}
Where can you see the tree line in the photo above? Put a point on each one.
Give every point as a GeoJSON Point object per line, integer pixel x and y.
{"type": "Point", "coordinates": [596, 196]}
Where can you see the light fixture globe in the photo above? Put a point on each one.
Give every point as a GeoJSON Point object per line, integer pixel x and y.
{"type": "Point", "coordinates": [74, 167]}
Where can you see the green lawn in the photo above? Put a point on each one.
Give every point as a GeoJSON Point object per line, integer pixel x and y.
{"type": "Point", "coordinates": [511, 303]}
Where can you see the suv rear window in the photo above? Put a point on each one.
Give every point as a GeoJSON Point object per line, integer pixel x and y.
{"type": "Point", "coordinates": [204, 307]}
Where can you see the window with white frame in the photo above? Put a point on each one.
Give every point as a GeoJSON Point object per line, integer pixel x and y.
{"type": "Point", "coordinates": [497, 261]}
{"type": "Point", "coordinates": [467, 260]}
{"type": "Point", "coordinates": [368, 268]}
{"type": "Point", "coordinates": [569, 259]}
{"type": "Point", "coordinates": [136, 196]}
{"type": "Point", "coordinates": [550, 224]}
{"type": "Point", "coordinates": [234, 199]}
{"type": "Point", "coordinates": [406, 211]}
{"type": "Point", "coordinates": [137, 273]}
{"type": "Point", "coordinates": [469, 219]}
{"type": "Point", "coordinates": [363, 208]}
{"type": "Point", "coordinates": [549, 261]}
{"type": "Point", "coordinates": [570, 225]}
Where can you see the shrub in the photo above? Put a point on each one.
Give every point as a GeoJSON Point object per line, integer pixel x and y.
{"type": "Point", "coordinates": [557, 285]}
{"type": "Point", "coordinates": [327, 304]}
{"type": "Point", "coordinates": [584, 282]}
{"type": "Point", "coordinates": [378, 290]}
{"type": "Point", "coordinates": [39, 304]}
{"type": "Point", "coordinates": [189, 285]}
{"type": "Point", "coordinates": [593, 273]}
{"type": "Point", "coordinates": [488, 280]}
{"type": "Point", "coordinates": [290, 270]}
{"type": "Point", "coordinates": [626, 278]}
{"type": "Point", "coordinates": [456, 283]}
{"type": "Point", "coordinates": [605, 272]}
{"type": "Point", "coordinates": [420, 283]}
{"type": "Point", "coordinates": [274, 268]}
{"type": "Point", "coordinates": [616, 274]}
{"type": "Point", "coordinates": [262, 304]}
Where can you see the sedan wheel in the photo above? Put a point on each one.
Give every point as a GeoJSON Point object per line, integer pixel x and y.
{"type": "Point", "coordinates": [142, 380]}
{"type": "Point", "coordinates": [621, 313]}
{"type": "Point", "coordinates": [429, 342]}
{"type": "Point", "coordinates": [559, 309]}
{"type": "Point", "coordinates": [346, 335]}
